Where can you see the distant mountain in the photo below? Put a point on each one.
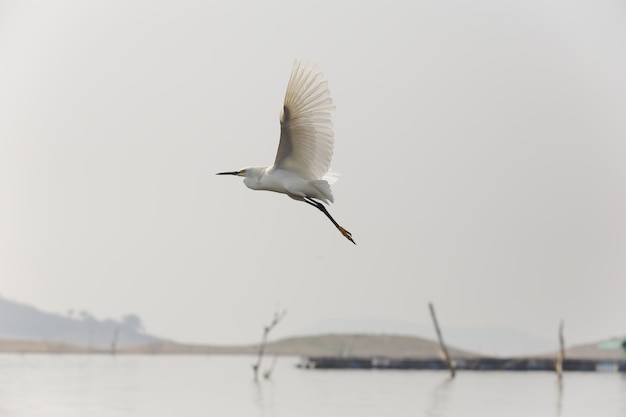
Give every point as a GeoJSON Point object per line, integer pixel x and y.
{"type": "Point", "coordinates": [23, 322]}
{"type": "Point", "coordinates": [26, 329]}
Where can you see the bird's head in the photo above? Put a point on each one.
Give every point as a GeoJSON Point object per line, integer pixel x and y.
{"type": "Point", "coordinates": [252, 176]}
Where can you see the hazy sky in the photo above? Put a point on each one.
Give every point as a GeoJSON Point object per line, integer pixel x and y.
{"type": "Point", "coordinates": [482, 147]}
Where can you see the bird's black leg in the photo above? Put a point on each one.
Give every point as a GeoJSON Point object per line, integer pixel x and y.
{"type": "Point", "coordinates": [321, 207]}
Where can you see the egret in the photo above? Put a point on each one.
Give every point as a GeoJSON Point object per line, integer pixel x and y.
{"type": "Point", "coordinates": [305, 149]}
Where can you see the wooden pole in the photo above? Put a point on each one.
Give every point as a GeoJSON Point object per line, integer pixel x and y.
{"type": "Point", "coordinates": [446, 355]}
{"type": "Point", "coordinates": [561, 355]}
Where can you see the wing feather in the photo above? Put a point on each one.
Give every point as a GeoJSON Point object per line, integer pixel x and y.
{"type": "Point", "coordinates": [306, 135]}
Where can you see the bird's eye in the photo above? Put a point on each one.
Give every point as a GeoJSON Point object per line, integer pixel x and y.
{"type": "Point", "coordinates": [242, 172]}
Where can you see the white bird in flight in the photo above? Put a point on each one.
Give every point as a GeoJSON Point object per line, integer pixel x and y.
{"type": "Point", "coordinates": [306, 145]}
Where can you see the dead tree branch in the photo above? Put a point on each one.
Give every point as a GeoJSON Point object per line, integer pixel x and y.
{"type": "Point", "coordinates": [266, 330]}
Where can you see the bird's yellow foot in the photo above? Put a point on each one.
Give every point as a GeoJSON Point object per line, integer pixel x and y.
{"type": "Point", "coordinates": [346, 234]}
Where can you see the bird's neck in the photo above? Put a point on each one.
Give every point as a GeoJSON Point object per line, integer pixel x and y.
{"type": "Point", "coordinates": [254, 177]}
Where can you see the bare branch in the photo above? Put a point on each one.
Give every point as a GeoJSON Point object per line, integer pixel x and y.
{"type": "Point", "coordinates": [278, 316]}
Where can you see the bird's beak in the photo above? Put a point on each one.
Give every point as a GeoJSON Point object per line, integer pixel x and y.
{"type": "Point", "coordinates": [228, 173]}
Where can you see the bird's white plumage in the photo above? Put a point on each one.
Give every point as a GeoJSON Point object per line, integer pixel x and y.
{"type": "Point", "coordinates": [301, 167]}
{"type": "Point", "coordinates": [307, 137]}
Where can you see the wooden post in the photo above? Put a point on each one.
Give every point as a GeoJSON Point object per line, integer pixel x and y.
{"type": "Point", "coordinates": [266, 330]}
{"type": "Point", "coordinates": [446, 355]}
{"type": "Point", "coordinates": [561, 355]}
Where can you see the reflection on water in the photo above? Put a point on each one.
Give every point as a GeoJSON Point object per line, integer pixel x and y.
{"type": "Point", "coordinates": [440, 397]}
{"type": "Point", "coordinates": [165, 386]}
{"type": "Point", "coordinates": [623, 389]}
{"type": "Point", "coordinates": [559, 395]}
{"type": "Point", "coordinates": [264, 397]}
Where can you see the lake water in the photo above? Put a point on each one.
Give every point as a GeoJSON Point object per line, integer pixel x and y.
{"type": "Point", "coordinates": [220, 386]}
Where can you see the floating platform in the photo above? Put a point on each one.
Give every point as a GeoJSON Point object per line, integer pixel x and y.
{"type": "Point", "coordinates": [473, 364]}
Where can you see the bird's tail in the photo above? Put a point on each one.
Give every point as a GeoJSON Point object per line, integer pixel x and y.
{"type": "Point", "coordinates": [324, 188]}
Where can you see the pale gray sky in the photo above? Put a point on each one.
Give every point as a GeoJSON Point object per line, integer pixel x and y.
{"type": "Point", "coordinates": [482, 147]}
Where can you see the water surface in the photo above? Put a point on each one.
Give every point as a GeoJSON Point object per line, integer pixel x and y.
{"type": "Point", "coordinates": [98, 385]}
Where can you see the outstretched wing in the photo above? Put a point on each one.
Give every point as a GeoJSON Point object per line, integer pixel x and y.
{"type": "Point", "coordinates": [306, 130]}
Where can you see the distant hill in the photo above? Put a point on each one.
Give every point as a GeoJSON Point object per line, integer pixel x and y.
{"type": "Point", "coordinates": [353, 345]}
{"type": "Point", "coordinates": [486, 340]}
{"type": "Point", "coordinates": [20, 322]}
{"type": "Point", "coordinates": [362, 345]}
